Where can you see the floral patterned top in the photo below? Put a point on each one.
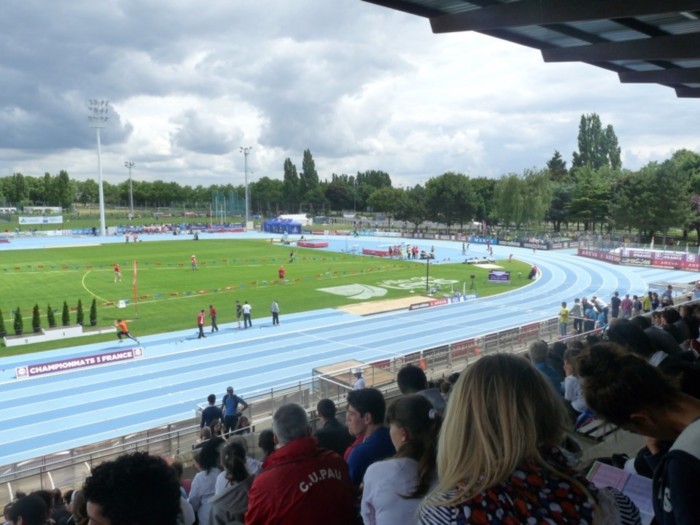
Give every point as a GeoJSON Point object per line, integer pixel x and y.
{"type": "Point", "coordinates": [531, 496]}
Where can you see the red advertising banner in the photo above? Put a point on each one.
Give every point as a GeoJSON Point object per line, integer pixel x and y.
{"type": "Point", "coordinates": [428, 304]}
{"type": "Point", "coordinates": [600, 255]}
{"type": "Point", "coordinates": [380, 253]}
{"type": "Point", "coordinates": [312, 244]}
{"type": "Point", "coordinates": [464, 348]}
{"type": "Point", "coordinates": [657, 259]}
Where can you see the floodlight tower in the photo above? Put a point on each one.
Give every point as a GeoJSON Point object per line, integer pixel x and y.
{"type": "Point", "coordinates": [246, 150]}
{"type": "Point", "coordinates": [130, 164]}
{"type": "Point", "coordinates": [98, 116]}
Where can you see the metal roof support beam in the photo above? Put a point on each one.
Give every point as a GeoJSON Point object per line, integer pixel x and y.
{"type": "Point", "coordinates": [542, 12]}
{"type": "Point", "coordinates": [672, 47]}
{"type": "Point", "coordinates": [663, 76]}
{"type": "Point", "coordinates": [400, 5]}
{"type": "Point", "coordinates": [684, 92]}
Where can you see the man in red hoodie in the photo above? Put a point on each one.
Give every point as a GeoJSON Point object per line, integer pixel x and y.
{"type": "Point", "coordinates": [300, 483]}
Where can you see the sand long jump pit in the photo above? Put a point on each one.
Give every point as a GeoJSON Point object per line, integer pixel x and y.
{"type": "Point", "coordinates": [389, 305]}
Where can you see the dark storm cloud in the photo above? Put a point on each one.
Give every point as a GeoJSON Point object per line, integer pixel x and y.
{"type": "Point", "coordinates": [201, 136]}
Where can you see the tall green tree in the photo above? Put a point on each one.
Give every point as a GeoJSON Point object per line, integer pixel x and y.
{"type": "Point", "coordinates": [509, 200]}
{"type": "Point", "coordinates": [640, 202]}
{"type": "Point", "coordinates": [559, 209]}
{"type": "Point", "coordinates": [35, 191]}
{"type": "Point", "coordinates": [523, 199]}
{"type": "Point", "coordinates": [48, 191]}
{"type": "Point", "coordinates": [688, 163]}
{"type": "Point", "coordinates": [50, 316]}
{"type": "Point", "coordinates": [88, 192]}
{"type": "Point", "coordinates": [79, 314]}
{"type": "Point", "coordinates": [18, 323]}
{"type": "Point", "coordinates": [93, 312]}
{"type": "Point", "coordinates": [597, 147]}
{"type": "Point", "coordinates": [412, 206]}
{"type": "Point", "coordinates": [339, 193]}
{"type": "Point", "coordinates": [292, 187]}
{"type": "Point", "coordinates": [484, 189]}
{"type": "Point", "coordinates": [267, 196]}
{"type": "Point", "coordinates": [557, 168]}
{"type": "Point", "coordinates": [385, 200]}
{"type": "Point", "coordinates": [374, 178]}
{"type": "Point", "coordinates": [591, 195]}
{"type": "Point", "coordinates": [64, 190]}
{"type": "Point", "coordinates": [315, 200]}
{"type": "Point", "coordinates": [36, 319]}
{"type": "Point", "coordinates": [366, 183]}
{"type": "Point", "coordinates": [308, 176]}
{"type": "Point", "coordinates": [17, 191]}
{"type": "Point", "coordinates": [65, 315]}
{"type": "Point", "coordinates": [538, 195]}
{"type": "Point", "coordinates": [450, 199]}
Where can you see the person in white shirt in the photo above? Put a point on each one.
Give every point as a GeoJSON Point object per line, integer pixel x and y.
{"type": "Point", "coordinates": [601, 306]}
{"type": "Point", "coordinates": [573, 392]}
{"type": "Point", "coordinates": [203, 484]}
{"type": "Point", "coordinates": [252, 465]}
{"type": "Point", "coordinates": [359, 380]}
{"type": "Point", "coordinates": [394, 488]}
{"type": "Point", "coordinates": [246, 315]}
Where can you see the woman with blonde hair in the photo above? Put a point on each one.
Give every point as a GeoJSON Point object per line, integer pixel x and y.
{"type": "Point", "coordinates": [498, 457]}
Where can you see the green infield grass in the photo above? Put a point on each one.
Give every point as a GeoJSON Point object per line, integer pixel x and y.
{"type": "Point", "coordinates": [169, 293]}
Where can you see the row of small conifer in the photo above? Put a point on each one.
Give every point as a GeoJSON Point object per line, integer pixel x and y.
{"type": "Point", "coordinates": [18, 323]}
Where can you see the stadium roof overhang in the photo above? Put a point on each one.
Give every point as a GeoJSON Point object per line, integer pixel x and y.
{"type": "Point", "coordinates": [652, 41]}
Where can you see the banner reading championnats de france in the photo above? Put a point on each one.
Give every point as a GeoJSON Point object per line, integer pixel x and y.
{"type": "Point", "coordinates": [64, 365]}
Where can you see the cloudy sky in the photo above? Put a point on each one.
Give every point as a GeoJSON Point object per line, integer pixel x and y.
{"type": "Point", "coordinates": [362, 87]}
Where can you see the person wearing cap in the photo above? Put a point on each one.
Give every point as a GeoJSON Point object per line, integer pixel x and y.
{"type": "Point", "coordinates": [359, 380]}
{"type": "Point", "coordinates": [229, 406]}
{"type": "Point", "coordinates": [193, 262]}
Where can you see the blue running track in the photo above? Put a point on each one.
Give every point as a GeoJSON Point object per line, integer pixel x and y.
{"type": "Point", "coordinates": [50, 414]}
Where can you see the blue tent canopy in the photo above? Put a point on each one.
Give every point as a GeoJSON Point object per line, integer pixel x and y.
{"type": "Point", "coordinates": [282, 226]}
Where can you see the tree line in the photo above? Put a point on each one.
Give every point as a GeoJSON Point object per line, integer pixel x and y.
{"type": "Point", "coordinates": [595, 194]}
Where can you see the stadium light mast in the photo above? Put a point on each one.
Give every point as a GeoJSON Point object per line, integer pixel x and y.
{"type": "Point", "coordinates": [246, 150]}
{"type": "Point", "coordinates": [98, 116]}
{"type": "Point", "coordinates": [354, 196]}
{"type": "Point", "coordinates": [129, 165]}
{"type": "Point", "coordinates": [427, 276]}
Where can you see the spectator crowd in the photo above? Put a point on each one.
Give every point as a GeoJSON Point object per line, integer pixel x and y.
{"type": "Point", "coordinates": [490, 445]}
